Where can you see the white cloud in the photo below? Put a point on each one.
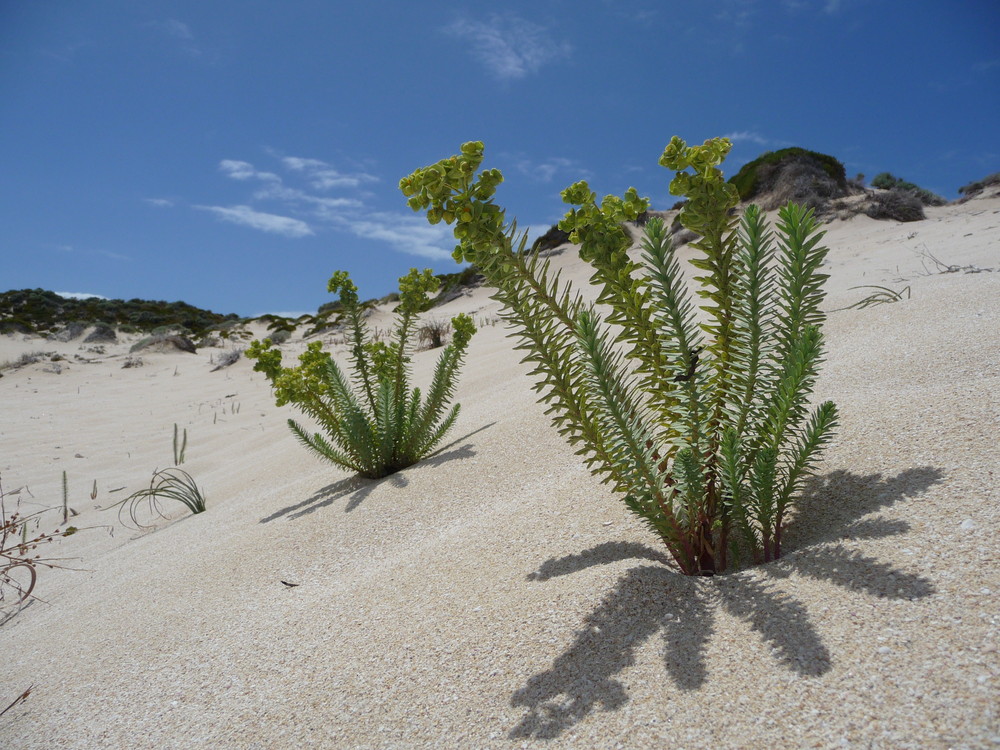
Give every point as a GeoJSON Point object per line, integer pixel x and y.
{"type": "Point", "coordinates": [238, 170]}
{"type": "Point", "coordinates": [246, 216]}
{"type": "Point", "coordinates": [181, 33]}
{"type": "Point", "coordinates": [746, 136]}
{"type": "Point", "coordinates": [322, 205]}
{"type": "Point", "coordinates": [159, 202]}
{"type": "Point", "coordinates": [408, 234]}
{"type": "Point", "coordinates": [80, 295]}
{"type": "Point", "coordinates": [546, 170]}
{"type": "Point", "coordinates": [508, 46]}
{"type": "Point", "coordinates": [322, 176]}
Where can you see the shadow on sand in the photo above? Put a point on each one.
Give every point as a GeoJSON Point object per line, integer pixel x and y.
{"type": "Point", "coordinates": [357, 488]}
{"type": "Point", "coordinates": [652, 599]}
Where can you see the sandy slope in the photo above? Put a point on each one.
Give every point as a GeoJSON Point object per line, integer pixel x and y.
{"type": "Point", "coordinates": [496, 595]}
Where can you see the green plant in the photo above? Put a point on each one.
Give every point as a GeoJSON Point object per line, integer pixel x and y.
{"type": "Point", "coordinates": [179, 451]}
{"type": "Point", "coordinates": [887, 181]}
{"type": "Point", "coordinates": [978, 186]}
{"type": "Point", "coordinates": [380, 426]}
{"type": "Point", "coordinates": [166, 484]}
{"type": "Point", "coordinates": [704, 427]}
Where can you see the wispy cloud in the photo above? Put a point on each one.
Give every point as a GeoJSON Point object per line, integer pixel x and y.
{"type": "Point", "coordinates": [159, 202]}
{"type": "Point", "coordinates": [508, 46]}
{"type": "Point", "coordinates": [80, 295]}
{"type": "Point", "coordinates": [545, 171]}
{"type": "Point", "coordinates": [985, 65]}
{"type": "Point", "coordinates": [282, 195]}
{"type": "Point", "coordinates": [265, 222]}
{"type": "Point", "coordinates": [280, 192]}
{"type": "Point", "coordinates": [829, 7]}
{"type": "Point", "coordinates": [746, 136]}
{"type": "Point", "coordinates": [181, 34]}
{"type": "Point", "coordinates": [90, 251]}
{"type": "Point", "coordinates": [244, 170]}
{"type": "Point", "coordinates": [736, 12]}
{"type": "Point", "coordinates": [406, 233]}
{"type": "Point", "coordinates": [322, 176]}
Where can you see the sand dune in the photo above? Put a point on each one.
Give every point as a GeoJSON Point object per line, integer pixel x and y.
{"type": "Point", "coordinates": [496, 595]}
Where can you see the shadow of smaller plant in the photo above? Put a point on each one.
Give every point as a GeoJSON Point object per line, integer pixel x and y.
{"type": "Point", "coordinates": [166, 484]}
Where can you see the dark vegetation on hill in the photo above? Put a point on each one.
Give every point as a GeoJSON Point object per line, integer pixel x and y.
{"type": "Point", "coordinates": [792, 174]}
{"type": "Point", "coordinates": [43, 312]}
{"type": "Point", "coordinates": [989, 184]}
{"type": "Point", "coordinates": [886, 181]}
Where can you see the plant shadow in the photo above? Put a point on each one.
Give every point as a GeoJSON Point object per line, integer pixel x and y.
{"type": "Point", "coordinates": [357, 488]}
{"type": "Point", "coordinates": [655, 599]}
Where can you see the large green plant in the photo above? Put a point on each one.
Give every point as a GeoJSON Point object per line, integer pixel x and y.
{"type": "Point", "coordinates": [701, 420]}
{"type": "Point", "coordinates": [379, 426]}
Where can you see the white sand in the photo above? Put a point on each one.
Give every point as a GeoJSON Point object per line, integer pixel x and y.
{"type": "Point", "coordinates": [496, 595]}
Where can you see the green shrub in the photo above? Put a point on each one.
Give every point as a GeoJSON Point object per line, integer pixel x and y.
{"type": "Point", "coordinates": [886, 181]}
{"type": "Point", "coordinates": [974, 188]}
{"type": "Point", "coordinates": [704, 428]}
{"type": "Point", "coordinates": [385, 426]}
{"type": "Point", "coordinates": [280, 336]}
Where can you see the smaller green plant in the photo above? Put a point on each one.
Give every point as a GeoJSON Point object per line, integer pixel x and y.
{"type": "Point", "coordinates": [179, 452]}
{"type": "Point", "coordinates": [379, 426]}
{"type": "Point", "coordinates": [166, 484]}
{"type": "Point", "coordinates": [887, 181]}
{"type": "Point", "coordinates": [65, 499]}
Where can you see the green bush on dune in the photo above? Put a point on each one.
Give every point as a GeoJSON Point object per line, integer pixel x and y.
{"type": "Point", "coordinates": [704, 428]}
{"type": "Point", "coordinates": [380, 425]}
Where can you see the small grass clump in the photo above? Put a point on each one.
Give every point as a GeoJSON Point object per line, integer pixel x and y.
{"type": "Point", "coordinates": [166, 484]}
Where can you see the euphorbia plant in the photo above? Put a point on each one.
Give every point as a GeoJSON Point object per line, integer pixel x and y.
{"type": "Point", "coordinates": [379, 425]}
{"type": "Point", "coordinates": [702, 423]}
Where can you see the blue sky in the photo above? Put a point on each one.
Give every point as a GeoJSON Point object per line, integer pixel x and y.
{"type": "Point", "coordinates": [234, 154]}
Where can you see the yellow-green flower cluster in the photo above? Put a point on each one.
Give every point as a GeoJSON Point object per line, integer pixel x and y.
{"type": "Point", "coordinates": [292, 384]}
{"type": "Point", "coordinates": [413, 290]}
{"type": "Point", "coordinates": [447, 191]}
{"type": "Point", "coordinates": [708, 194]}
{"type": "Point", "coordinates": [597, 228]}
